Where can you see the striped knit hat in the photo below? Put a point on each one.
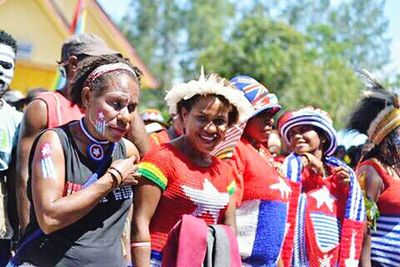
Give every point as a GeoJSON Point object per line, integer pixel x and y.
{"type": "Point", "coordinates": [257, 94]}
{"type": "Point", "coordinates": [309, 116]}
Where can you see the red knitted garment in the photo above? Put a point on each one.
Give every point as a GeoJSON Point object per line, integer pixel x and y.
{"type": "Point", "coordinates": [188, 189]}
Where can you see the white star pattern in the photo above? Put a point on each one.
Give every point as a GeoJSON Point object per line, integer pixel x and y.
{"type": "Point", "coordinates": [323, 196]}
{"type": "Point", "coordinates": [208, 200]}
{"type": "Point", "coordinates": [326, 261]}
{"type": "Point", "coordinates": [101, 115]}
{"type": "Point", "coordinates": [282, 187]}
{"type": "Point", "coordinates": [96, 152]}
{"type": "Point", "coordinates": [46, 151]}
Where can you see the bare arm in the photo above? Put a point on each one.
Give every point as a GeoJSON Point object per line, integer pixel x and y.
{"type": "Point", "coordinates": [374, 186]}
{"type": "Point", "coordinates": [147, 196]}
{"type": "Point", "coordinates": [55, 211]}
{"type": "Point", "coordinates": [137, 134]}
{"type": "Point", "coordinates": [230, 215]}
{"type": "Point", "coordinates": [33, 122]}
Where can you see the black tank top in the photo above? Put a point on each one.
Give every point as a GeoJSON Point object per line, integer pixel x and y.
{"type": "Point", "coordinates": [94, 240]}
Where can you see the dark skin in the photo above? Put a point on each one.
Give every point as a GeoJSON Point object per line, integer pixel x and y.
{"type": "Point", "coordinates": [35, 121]}
{"type": "Point", "coordinates": [55, 211]}
{"type": "Point", "coordinates": [374, 187]}
{"type": "Point", "coordinates": [208, 117]}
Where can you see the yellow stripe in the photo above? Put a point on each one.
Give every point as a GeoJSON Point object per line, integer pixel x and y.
{"type": "Point", "coordinates": [231, 187]}
{"type": "Point", "coordinates": [155, 170]}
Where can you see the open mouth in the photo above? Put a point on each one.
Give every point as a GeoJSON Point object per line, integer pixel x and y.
{"type": "Point", "coordinates": [208, 138]}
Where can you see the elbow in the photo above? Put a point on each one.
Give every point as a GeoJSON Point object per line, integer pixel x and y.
{"type": "Point", "coordinates": [48, 225]}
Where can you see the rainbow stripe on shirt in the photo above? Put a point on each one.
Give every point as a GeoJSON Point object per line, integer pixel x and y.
{"type": "Point", "coordinates": [153, 173]}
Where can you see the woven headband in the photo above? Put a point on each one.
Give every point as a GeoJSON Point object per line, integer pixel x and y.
{"type": "Point", "coordinates": [103, 69]}
{"type": "Point", "coordinates": [384, 124]}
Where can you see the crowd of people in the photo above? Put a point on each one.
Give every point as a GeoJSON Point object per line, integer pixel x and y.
{"type": "Point", "coordinates": [232, 179]}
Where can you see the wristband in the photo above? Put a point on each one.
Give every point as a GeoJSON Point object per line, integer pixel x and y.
{"type": "Point", "coordinates": [116, 181]}
{"type": "Point", "coordinates": [140, 244]}
{"type": "Point", "coordinates": [120, 174]}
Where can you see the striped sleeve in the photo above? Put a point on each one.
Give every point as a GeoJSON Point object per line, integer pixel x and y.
{"type": "Point", "coordinates": [153, 173]}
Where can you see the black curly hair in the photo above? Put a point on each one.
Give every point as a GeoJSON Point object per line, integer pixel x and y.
{"type": "Point", "coordinates": [7, 39]}
{"type": "Point", "coordinates": [87, 65]}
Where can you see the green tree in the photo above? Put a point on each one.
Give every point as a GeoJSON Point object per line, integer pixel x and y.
{"type": "Point", "coordinates": [288, 63]}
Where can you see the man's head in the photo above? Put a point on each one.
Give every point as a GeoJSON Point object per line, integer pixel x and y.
{"type": "Point", "coordinates": [78, 47]}
{"type": "Point", "coordinates": [85, 44]}
{"type": "Point", "coordinates": [8, 49]}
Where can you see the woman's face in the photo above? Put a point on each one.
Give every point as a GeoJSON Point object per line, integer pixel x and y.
{"type": "Point", "coordinates": [305, 138]}
{"type": "Point", "coordinates": [259, 127]}
{"type": "Point", "coordinates": [110, 109]}
{"type": "Point", "coordinates": [206, 123]}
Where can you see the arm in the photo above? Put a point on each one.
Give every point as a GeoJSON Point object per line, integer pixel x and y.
{"type": "Point", "coordinates": [33, 122]}
{"type": "Point", "coordinates": [137, 134]}
{"type": "Point", "coordinates": [230, 215]}
{"type": "Point", "coordinates": [147, 196]}
{"type": "Point", "coordinates": [374, 185]}
{"type": "Point", "coordinates": [55, 211]}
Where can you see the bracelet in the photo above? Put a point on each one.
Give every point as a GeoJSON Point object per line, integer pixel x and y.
{"type": "Point", "coordinates": [116, 182]}
{"type": "Point", "coordinates": [115, 179]}
{"type": "Point", "coordinates": [140, 244]}
{"type": "Point", "coordinates": [120, 174]}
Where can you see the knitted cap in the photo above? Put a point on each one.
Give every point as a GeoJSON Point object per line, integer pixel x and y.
{"type": "Point", "coordinates": [257, 94]}
{"type": "Point", "coordinates": [309, 116]}
{"type": "Point", "coordinates": [152, 115]}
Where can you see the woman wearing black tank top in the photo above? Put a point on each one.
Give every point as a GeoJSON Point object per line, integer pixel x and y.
{"type": "Point", "coordinates": [81, 173]}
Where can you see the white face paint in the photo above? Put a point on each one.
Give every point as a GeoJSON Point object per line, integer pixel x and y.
{"type": "Point", "coordinates": [46, 163]}
{"type": "Point", "coordinates": [7, 57]}
{"type": "Point", "coordinates": [100, 123]}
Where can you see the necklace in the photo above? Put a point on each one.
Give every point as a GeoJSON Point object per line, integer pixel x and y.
{"type": "Point", "coordinates": [95, 149]}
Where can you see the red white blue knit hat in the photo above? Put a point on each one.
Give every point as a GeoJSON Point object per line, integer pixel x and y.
{"type": "Point", "coordinates": [257, 94]}
{"type": "Point", "coordinates": [309, 116]}
{"type": "Point", "coordinates": [152, 114]}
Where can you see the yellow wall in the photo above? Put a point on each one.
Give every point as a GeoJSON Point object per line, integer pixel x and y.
{"type": "Point", "coordinates": [36, 22]}
{"type": "Point", "coordinates": [29, 21]}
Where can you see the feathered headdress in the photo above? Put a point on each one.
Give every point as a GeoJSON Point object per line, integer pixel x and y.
{"type": "Point", "coordinates": [377, 113]}
{"type": "Point", "coordinates": [209, 85]}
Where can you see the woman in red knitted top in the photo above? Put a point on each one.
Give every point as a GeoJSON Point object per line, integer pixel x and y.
{"type": "Point", "coordinates": [181, 177]}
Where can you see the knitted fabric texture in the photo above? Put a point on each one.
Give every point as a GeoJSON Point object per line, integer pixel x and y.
{"type": "Point", "coordinates": [330, 220]}
{"type": "Point", "coordinates": [262, 200]}
{"type": "Point", "coordinates": [187, 189]}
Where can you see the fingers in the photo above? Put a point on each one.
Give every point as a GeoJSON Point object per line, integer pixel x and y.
{"type": "Point", "coordinates": [131, 179]}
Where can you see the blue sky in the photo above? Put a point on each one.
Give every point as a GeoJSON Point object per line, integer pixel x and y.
{"type": "Point", "coordinates": [117, 9]}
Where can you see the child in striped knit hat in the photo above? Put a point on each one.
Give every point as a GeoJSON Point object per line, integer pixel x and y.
{"type": "Point", "coordinates": [326, 218]}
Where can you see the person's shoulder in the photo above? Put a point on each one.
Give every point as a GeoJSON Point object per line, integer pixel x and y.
{"type": "Point", "coordinates": [131, 149]}
{"type": "Point", "coordinates": [35, 115]}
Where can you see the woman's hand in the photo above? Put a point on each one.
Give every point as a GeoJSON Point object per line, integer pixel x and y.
{"type": "Point", "coordinates": [342, 173]}
{"type": "Point", "coordinates": [313, 162]}
{"type": "Point", "coordinates": [123, 171]}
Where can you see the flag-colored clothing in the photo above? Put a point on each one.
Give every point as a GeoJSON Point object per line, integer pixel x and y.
{"type": "Point", "coordinates": [203, 192]}
{"type": "Point", "coordinates": [262, 198]}
{"type": "Point", "coordinates": [328, 226]}
{"type": "Point", "coordinates": [60, 110]}
{"type": "Point", "coordinates": [385, 241]}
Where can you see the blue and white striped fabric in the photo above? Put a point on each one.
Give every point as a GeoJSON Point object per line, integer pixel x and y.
{"type": "Point", "coordinates": [327, 230]}
{"type": "Point", "coordinates": [386, 241]}
{"type": "Point", "coordinates": [299, 247]}
{"type": "Point", "coordinates": [260, 240]}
